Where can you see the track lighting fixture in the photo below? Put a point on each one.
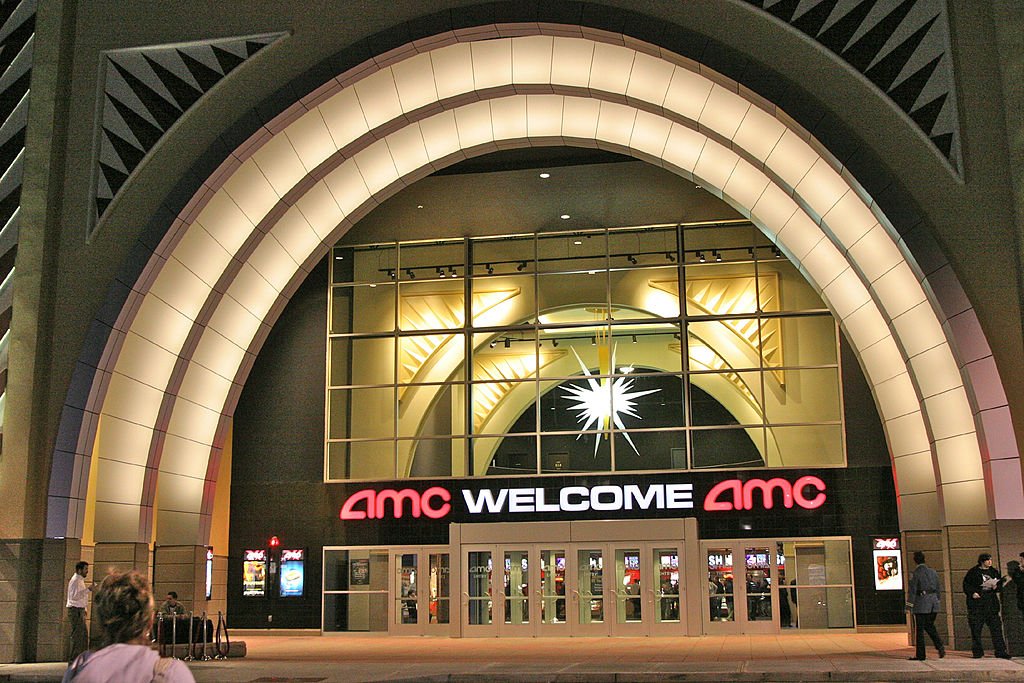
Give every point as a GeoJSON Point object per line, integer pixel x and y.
{"type": "Point", "coordinates": [493, 343]}
{"type": "Point", "coordinates": [508, 343]}
{"type": "Point", "coordinates": [521, 266]}
{"type": "Point", "coordinates": [631, 258]}
{"type": "Point", "coordinates": [412, 275]}
{"type": "Point", "coordinates": [451, 271]}
{"type": "Point", "coordinates": [391, 273]}
{"type": "Point", "coordinates": [593, 341]}
{"type": "Point", "coordinates": [490, 269]}
{"type": "Point", "coordinates": [634, 339]}
{"type": "Point", "coordinates": [775, 250]}
{"type": "Point", "coordinates": [554, 343]}
{"type": "Point", "coordinates": [718, 257]}
{"type": "Point", "coordinates": [440, 271]}
{"type": "Point", "coordinates": [700, 257]}
{"type": "Point", "coordinates": [670, 256]}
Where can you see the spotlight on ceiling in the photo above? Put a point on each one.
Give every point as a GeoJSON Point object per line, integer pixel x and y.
{"type": "Point", "coordinates": [521, 266]}
{"type": "Point", "coordinates": [391, 273]}
{"type": "Point", "coordinates": [545, 175]}
{"type": "Point", "coordinates": [593, 341]}
{"type": "Point", "coordinates": [718, 257]}
{"type": "Point", "coordinates": [700, 257]}
{"type": "Point", "coordinates": [493, 343]}
{"type": "Point", "coordinates": [565, 216]}
{"type": "Point", "coordinates": [419, 206]}
{"type": "Point", "coordinates": [412, 275]}
{"type": "Point", "coordinates": [440, 271]}
{"type": "Point", "coordinates": [634, 339]}
{"type": "Point", "coordinates": [554, 343]}
{"type": "Point", "coordinates": [577, 242]}
{"type": "Point", "coordinates": [490, 269]}
{"type": "Point", "coordinates": [778, 254]}
{"type": "Point", "coordinates": [508, 343]}
{"type": "Point", "coordinates": [670, 256]}
{"type": "Point", "coordinates": [631, 258]}
{"type": "Point", "coordinates": [451, 271]}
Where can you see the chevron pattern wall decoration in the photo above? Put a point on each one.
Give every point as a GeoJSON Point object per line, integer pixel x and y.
{"type": "Point", "coordinates": [900, 46]}
{"type": "Point", "coordinates": [145, 91]}
{"type": "Point", "coordinates": [17, 30]}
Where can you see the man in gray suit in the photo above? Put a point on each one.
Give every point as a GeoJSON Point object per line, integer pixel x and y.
{"type": "Point", "coordinates": [923, 600]}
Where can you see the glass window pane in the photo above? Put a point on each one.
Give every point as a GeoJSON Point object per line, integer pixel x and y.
{"type": "Point", "coordinates": [503, 300]}
{"type": "Point", "coordinates": [481, 591]}
{"type": "Point", "coordinates": [552, 586]}
{"type": "Point", "coordinates": [643, 400]}
{"type": "Point", "coordinates": [794, 291]}
{"type": "Point", "coordinates": [727, 448]}
{"type": "Point", "coordinates": [430, 357]}
{"type": "Point", "coordinates": [356, 612]}
{"type": "Point", "coordinates": [356, 570]}
{"type": "Point", "coordinates": [504, 407]}
{"type": "Point", "coordinates": [660, 449]}
{"type": "Point", "coordinates": [440, 588]}
{"type": "Point", "coordinates": [575, 452]}
{"type": "Point", "coordinates": [590, 575]}
{"type": "Point", "coordinates": [758, 579]}
{"type": "Point", "coordinates": [727, 343]}
{"type": "Point", "coordinates": [361, 459]}
{"type": "Point", "coordinates": [721, 288]}
{"type": "Point", "coordinates": [645, 293]}
{"type": "Point", "coordinates": [363, 308]}
{"type": "Point", "coordinates": [628, 586]}
{"type": "Point", "coordinates": [571, 251]}
{"type": "Point", "coordinates": [503, 255]}
{"type": "Point", "coordinates": [504, 455]}
{"type": "Point", "coordinates": [435, 305]}
{"type": "Point", "coordinates": [581, 350]}
{"type": "Point", "coordinates": [805, 446]}
{"type": "Point", "coordinates": [357, 360]}
{"type": "Point", "coordinates": [646, 347]}
{"type": "Point", "coordinates": [517, 587]}
{"type": "Point", "coordinates": [585, 293]}
{"type": "Point", "coordinates": [809, 340]}
{"type": "Point", "coordinates": [349, 409]}
{"type": "Point", "coordinates": [432, 458]}
{"type": "Point", "coordinates": [431, 260]}
{"type": "Point", "coordinates": [804, 395]}
{"type": "Point", "coordinates": [407, 607]}
{"type": "Point", "coordinates": [721, 599]}
{"type": "Point", "coordinates": [506, 355]}
{"type": "Point", "coordinates": [726, 398]}
{"type": "Point", "coordinates": [370, 263]}
{"type": "Point", "coordinates": [665, 563]}
{"type": "Point", "coordinates": [429, 410]}
{"type": "Point", "coordinates": [647, 246]}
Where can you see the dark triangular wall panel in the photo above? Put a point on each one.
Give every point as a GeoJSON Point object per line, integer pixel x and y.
{"type": "Point", "coordinates": [145, 91]}
{"type": "Point", "coordinates": [900, 46]}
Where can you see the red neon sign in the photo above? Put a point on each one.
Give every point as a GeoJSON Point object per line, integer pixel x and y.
{"type": "Point", "coordinates": [419, 503]}
{"type": "Point", "coordinates": [743, 494]}
{"type": "Point", "coordinates": [887, 544]}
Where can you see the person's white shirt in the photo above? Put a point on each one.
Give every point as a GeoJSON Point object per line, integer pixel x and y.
{"type": "Point", "coordinates": [78, 592]}
{"type": "Point", "coordinates": [127, 663]}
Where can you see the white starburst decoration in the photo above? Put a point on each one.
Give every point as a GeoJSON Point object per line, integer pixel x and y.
{"type": "Point", "coordinates": [602, 401]}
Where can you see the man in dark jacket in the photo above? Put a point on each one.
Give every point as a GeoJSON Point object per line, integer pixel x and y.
{"type": "Point", "coordinates": [923, 600]}
{"type": "Point", "coordinates": [981, 586]}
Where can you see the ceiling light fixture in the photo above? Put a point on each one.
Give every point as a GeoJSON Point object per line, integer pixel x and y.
{"type": "Point", "coordinates": [577, 242]}
{"type": "Point", "coordinates": [700, 257]}
{"type": "Point", "coordinates": [670, 256]}
{"type": "Point", "coordinates": [412, 275]}
{"type": "Point", "coordinates": [631, 258]}
{"type": "Point", "coordinates": [493, 343]}
{"type": "Point", "coordinates": [490, 269]}
{"type": "Point", "coordinates": [419, 206]}
{"type": "Point", "coordinates": [554, 343]}
{"type": "Point", "coordinates": [565, 216]}
{"type": "Point", "coordinates": [718, 257]}
{"type": "Point", "coordinates": [508, 343]}
{"type": "Point", "coordinates": [634, 339]}
{"type": "Point", "coordinates": [593, 341]}
{"type": "Point", "coordinates": [521, 266]}
{"type": "Point", "coordinates": [451, 271]}
{"type": "Point", "coordinates": [440, 271]}
{"type": "Point", "coordinates": [775, 250]}
{"type": "Point", "coordinates": [545, 175]}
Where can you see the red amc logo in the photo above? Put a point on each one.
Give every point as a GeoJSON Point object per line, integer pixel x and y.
{"type": "Point", "coordinates": [419, 503]}
{"type": "Point", "coordinates": [743, 494]}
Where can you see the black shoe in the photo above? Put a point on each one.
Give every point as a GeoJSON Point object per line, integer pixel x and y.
{"type": "Point", "coordinates": [978, 656]}
{"type": "Point", "coordinates": [1003, 656]}
{"type": "Point", "coordinates": [915, 659]}
{"type": "Point", "coordinates": [942, 653]}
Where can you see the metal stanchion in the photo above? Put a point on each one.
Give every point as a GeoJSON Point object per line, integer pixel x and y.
{"type": "Point", "coordinates": [160, 634]}
{"type": "Point", "coordinates": [222, 627]}
{"type": "Point", "coordinates": [191, 640]}
{"type": "Point", "coordinates": [174, 636]}
{"type": "Point", "coordinates": [206, 639]}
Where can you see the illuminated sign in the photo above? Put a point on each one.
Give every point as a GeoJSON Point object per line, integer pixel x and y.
{"type": "Point", "coordinates": [293, 573]}
{"type": "Point", "coordinates": [375, 503]}
{"type": "Point", "coordinates": [743, 494]}
{"type": "Point", "coordinates": [287, 555]}
{"type": "Point", "coordinates": [887, 544]}
{"type": "Point", "coordinates": [254, 573]}
{"type": "Point", "coordinates": [209, 573]}
{"type": "Point", "coordinates": [888, 564]}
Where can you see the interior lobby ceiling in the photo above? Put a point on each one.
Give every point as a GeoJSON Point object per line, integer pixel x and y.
{"type": "Point", "coordinates": [502, 193]}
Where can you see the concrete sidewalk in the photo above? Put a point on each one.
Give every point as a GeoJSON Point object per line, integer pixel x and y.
{"type": "Point", "coordinates": [783, 657]}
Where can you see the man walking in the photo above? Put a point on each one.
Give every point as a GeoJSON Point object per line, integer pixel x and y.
{"type": "Point", "coordinates": [981, 586]}
{"type": "Point", "coordinates": [923, 599]}
{"type": "Point", "coordinates": [78, 600]}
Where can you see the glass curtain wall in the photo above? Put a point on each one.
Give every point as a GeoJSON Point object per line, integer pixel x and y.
{"type": "Point", "coordinates": [650, 348]}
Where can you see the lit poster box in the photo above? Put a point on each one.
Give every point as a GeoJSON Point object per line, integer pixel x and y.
{"type": "Point", "coordinates": [888, 564]}
{"type": "Point", "coordinates": [254, 573]}
{"type": "Point", "coordinates": [293, 572]}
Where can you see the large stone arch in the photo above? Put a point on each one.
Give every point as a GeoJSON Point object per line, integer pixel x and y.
{"type": "Point", "coordinates": [194, 321]}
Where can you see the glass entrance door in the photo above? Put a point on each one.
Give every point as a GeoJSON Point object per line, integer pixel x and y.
{"type": "Point", "coordinates": [421, 592]}
{"type": "Point", "coordinates": [741, 594]}
{"type": "Point", "coordinates": [587, 601]}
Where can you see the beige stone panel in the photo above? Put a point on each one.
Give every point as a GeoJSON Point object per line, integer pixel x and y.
{"type": "Point", "coordinates": [144, 361]}
{"type": "Point", "coordinates": [919, 511]}
{"type": "Point", "coordinates": [192, 421]}
{"type": "Point", "coordinates": [571, 60]}
{"type": "Point", "coordinates": [926, 541]}
{"type": "Point", "coordinates": [177, 527]}
{"type": "Point", "coordinates": [217, 353]}
{"type": "Point", "coordinates": [250, 190]}
{"type": "Point", "coordinates": [252, 291]}
{"type": "Point", "coordinates": [791, 158]}
{"type": "Point", "coordinates": [684, 147]}
{"type": "Point", "coordinates": [234, 322]}
{"type": "Point", "coordinates": [225, 222]}
{"type": "Point", "coordinates": [773, 209]}
{"type": "Point", "coordinates": [579, 117]}
{"type": "Point", "coordinates": [898, 290]}
{"type": "Point", "coordinates": [311, 139]}
{"type": "Point", "coordinates": [508, 119]}
{"type": "Point", "coordinates": [610, 68]}
{"type": "Point", "coordinates": [915, 473]}
{"type": "Point", "coordinates": [453, 70]}
{"type": "Point", "coordinates": [715, 164]}
{"type": "Point", "coordinates": [185, 457]}
{"type": "Point", "coordinates": [745, 185]}
{"type": "Point", "coordinates": [280, 164]}
{"type": "Point", "coordinates": [131, 400]}
{"type": "Point", "coordinates": [614, 124]}
{"type": "Point", "coordinates": [202, 254]}
{"type": "Point", "coordinates": [531, 59]}
{"type": "Point", "coordinates": [687, 93]}
{"type": "Point", "coordinates": [323, 210]}
{"type": "Point", "coordinates": [865, 327]}
{"type": "Point", "coordinates": [440, 136]}
{"type": "Point", "coordinates": [376, 166]}
{"type": "Point", "coordinates": [179, 493]}
{"type": "Point", "coordinates": [414, 81]}
{"type": "Point", "coordinates": [123, 441]}
{"type": "Point", "coordinates": [273, 263]}
{"type": "Point", "coordinates": [907, 435]}
{"type": "Point", "coordinates": [935, 371]}
{"type": "Point", "coordinates": [544, 115]}
{"type": "Point", "coordinates": [896, 396]}
{"type": "Point", "coordinates": [846, 294]}
{"type": "Point", "coordinates": [949, 414]}
{"type": "Point", "coordinates": [850, 219]}
{"type": "Point", "coordinates": [295, 235]}
{"type": "Point", "coordinates": [758, 133]}
{"type": "Point", "coordinates": [204, 387]}
{"type": "Point", "coordinates": [821, 187]}
{"type": "Point", "coordinates": [1008, 491]}
{"type": "Point", "coordinates": [473, 122]}
{"type": "Point", "coordinates": [824, 263]}
{"type": "Point", "coordinates": [650, 133]}
{"type": "Point", "coordinates": [407, 149]}
{"type": "Point", "coordinates": [378, 98]}
{"type": "Point", "coordinates": [882, 360]}
{"type": "Point", "coordinates": [344, 117]}
{"type": "Point", "coordinates": [649, 79]}
{"type": "Point", "coordinates": [875, 253]}
{"type": "Point", "coordinates": [918, 329]}
{"type": "Point", "coordinates": [965, 502]}
{"type": "Point", "coordinates": [973, 537]}
{"type": "Point", "coordinates": [724, 111]}
{"type": "Point", "coordinates": [492, 63]}
{"type": "Point", "coordinates": [799, 235]}
{"type": "Point", "coordinates": [119, 482]}
{"type": "Point", "coordinates": [181, 289]}
{"type": "Point", "coordinates": [958, 458]}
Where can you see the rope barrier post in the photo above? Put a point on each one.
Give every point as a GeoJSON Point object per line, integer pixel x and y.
{"type": "Point", "coordinates": [206, 639]}
{"type": "Point", "coordinates": [174, 636]}
{"type": "Point", "coordinates": [191, 640]}
{"type": "Point", "coordinates": [222, 627]}
{"type": "Point", "coordinates": [161, 648]}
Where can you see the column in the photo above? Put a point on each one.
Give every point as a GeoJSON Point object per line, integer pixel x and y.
{"type": "Point", "coordinates": [109, 558]}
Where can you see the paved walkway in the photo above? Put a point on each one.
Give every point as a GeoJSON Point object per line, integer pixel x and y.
{"type": "Point", "coordinates": [784, 657]}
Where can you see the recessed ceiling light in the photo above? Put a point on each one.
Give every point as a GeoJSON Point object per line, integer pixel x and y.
{"type": "Point", "coordinates": [419, 206]}
{"type": "Point", "coordinates": [545, 175]}
{"type": "Point", "coordinates": [565, 216]}
{"type": "Point", "coordinates": [577, 242]}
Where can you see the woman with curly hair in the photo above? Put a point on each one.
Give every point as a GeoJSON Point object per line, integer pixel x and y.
{"type": "Point", "coordinates": [124, 607]}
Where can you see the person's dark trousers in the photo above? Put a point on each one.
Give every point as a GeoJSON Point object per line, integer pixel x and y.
{"type": "Point", "coordinates": [78, 638]}
{"type": "Point", "coordinates": [991, 619]}
{"type": "Point", "coordinates": [925, 623]}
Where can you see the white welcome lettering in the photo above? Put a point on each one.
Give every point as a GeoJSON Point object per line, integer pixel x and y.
{"type": "Point", "coordinates": [485, 497]}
